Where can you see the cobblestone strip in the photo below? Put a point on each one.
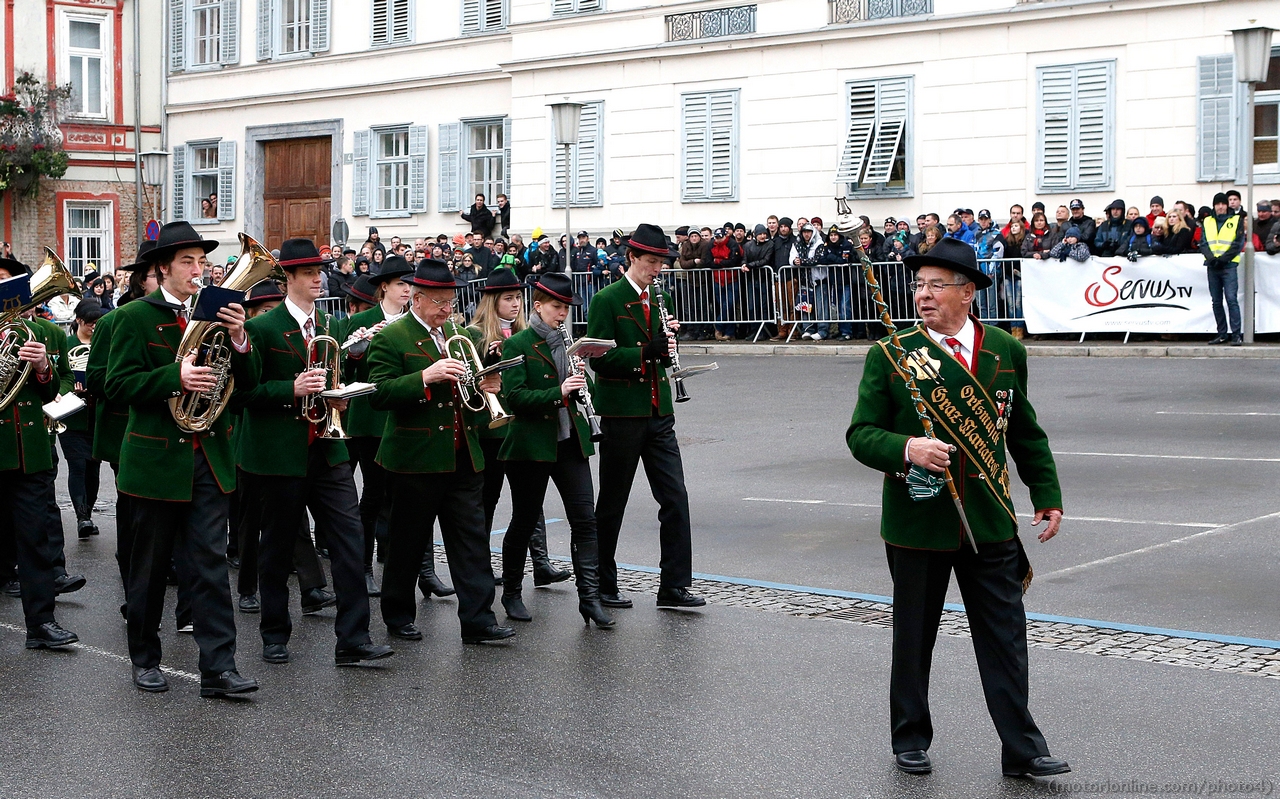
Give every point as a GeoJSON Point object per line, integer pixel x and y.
{"type": "Point", "coordinates": [1186, 652]}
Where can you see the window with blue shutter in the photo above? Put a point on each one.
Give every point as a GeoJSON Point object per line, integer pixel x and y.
{"type": "Point", "coordinates": [586, 159]}
{"type": "Point", "coordinates": [875, 159]}
{"type": "Point", "coordinates": [449, 171]}
{"type": "Point", "coordinates": [1215, 118]}
{"type": "Point", "coordinates": [417, 169]}
{"type": "Point", "coordinates": [178, 202]}
{"type": "Point", "coordinates": [177, 35]}
{"type": "Point", "coordinates": [392, 22]}
{"type": "Point", "coordinates": [709, 146]}
{"type": "Point", "coordinates": [1075, 127]}
{"type": "Point", "coordinates": [360, 173]}
{"type": "Point", "coordinates": [483, 16]}
{"type": "Point", "coordinates": [226, 180]}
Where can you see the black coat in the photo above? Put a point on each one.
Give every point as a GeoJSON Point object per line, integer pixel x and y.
{"type": "Point", "coordinates": [782, 249]}
{"type": "Point", "coordinates": [756, 255]}
{"type": "Point", "coordinates": [481, 219]}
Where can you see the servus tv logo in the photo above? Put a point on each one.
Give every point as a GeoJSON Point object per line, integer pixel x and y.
{"type": "Point", "coordinates": [1111, 293]}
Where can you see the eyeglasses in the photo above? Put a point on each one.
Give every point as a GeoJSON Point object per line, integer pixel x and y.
{"type": "Point", "coordinates": [443, 303]}
{"type": "Point", "coordinates": [934, 286]}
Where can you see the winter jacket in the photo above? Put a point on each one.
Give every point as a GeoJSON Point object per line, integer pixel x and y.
{"type": "Point", "coordinates": [1112, 234]}
{"type": "Point", "coordinates": [1176, 243]}
{"type": "Point", "coordinates": [988, 245]}
{"type": "Point", "coordinates": [1271, 239]}
{"type": "Point", "coordinates": [481, 219]}
{"type": "Point", "coordinates": [1088, 228]}
{"type": "Point", "coordinates": [1136, 246]}
{"type": "Point", "coordinates": [756, 255]}
{"type": "Point", "coordinates": [728, 255]}
{"type": "Point", "coordinates": [807, 254]}
{"type": "Point", "coordinates": [1062, 251]}
{"type": "Point", "coordinates": [694, 256]}
{"type": "Point", "coordinates": [963, 234]}
{"type": "Point", "coordinates": [782, 247]}
{"type": "Point", "coordinates": [1035, 242]}
{"type": "Point", "coordinates": [541, 262]}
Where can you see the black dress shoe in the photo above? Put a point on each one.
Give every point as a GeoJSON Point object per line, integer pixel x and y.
{"type": "Point", "coordinates": [227, 683]}
{"type": "Point", "coordinates": [515, 608]}
{"type": "Point", "coordinates": [355, 654]}
{"type": "Point", "coordinates": [68, 583]}
{"type": "Point", "coordinates": [49, 635]}
{"type": "Point", "coordinates": [1237, 340]}
{"type": "Point", "coordinates": [430, 585]}
{"type": "Point", "coordinates": [491, 633]}
{"type": "Point", "coordinates": [248, 603]}
{"type": "Point", "coordinates": [316, 599]}
{"type": "Point", "coordinates": [1038, 767]}
{"type": "Point", "coordinates": [149, 680]}
{"type": "Point", "coordinates": [914, 762]}
{"type": "Point", "coordinates": [275, 653]}
{"type": "Point", "coordinates": [12, 588]}
{"type": "Point", "coordinates": [85, 529]}
{"type": "Point", "coordinates": [614, 601]}
{"type": "Point", "coordinates": [679, 598]}
{"type": "Point", "coordinates": [1221, 338]}
{"type": "Point", "coordinates": [370, 585]}
{"type": "Point", "coordinates": [550, 575]}
{"type": "Point", "coordinates": [407, 632]}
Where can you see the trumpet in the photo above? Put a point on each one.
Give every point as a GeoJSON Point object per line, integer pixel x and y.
{"type": "Point", "coordinates": [583, 394]}
{"type": "Point", "coordinates": [324, 352]}
{"type": "Point", "coordinates": [462, 348]}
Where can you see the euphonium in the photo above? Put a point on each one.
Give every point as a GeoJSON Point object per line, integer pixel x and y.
{"type": "Point", "coordinates": [195, 412]}
{"type": "Point", "coordinates": [462, 348]}
{"type": "Point", "coordinates": [50, 280]}
{"type": "Point", "coordinates": [324, 352]}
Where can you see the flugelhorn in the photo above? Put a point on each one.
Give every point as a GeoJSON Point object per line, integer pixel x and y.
{"type": "Point", "coordinates": [324, 352]}
{"type": "Point", "coordinates": [196, 411]}
{"type": "Point", "coordinates": [462, 348]}
{"type": "Point", "coordinates": [50, 280]}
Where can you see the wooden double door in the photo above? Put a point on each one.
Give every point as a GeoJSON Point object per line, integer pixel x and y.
{"type": "Point", "coordinates": [297, 190]}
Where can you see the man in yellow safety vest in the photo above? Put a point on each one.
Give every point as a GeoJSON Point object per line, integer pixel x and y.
{"type": "Point", "coordinates": [1220, 244]}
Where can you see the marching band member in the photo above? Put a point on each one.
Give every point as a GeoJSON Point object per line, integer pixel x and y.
{"type": "Point", "coordinates": [297, 469]}
{"type": "Point", "coordinates": [432, 453]}
{"type": "Point", "coordinates": [77, 439]}
{"type": "Point", "coordinates": [634, 403]}
{"type": "Point", "coordinates": [549, 440]}
{"type": "Point", "coordinates": [499, 314]}
{"type": "Point", "coordinates": [26, 481]}
{"type": "Point", "coordinates": [179, 481]}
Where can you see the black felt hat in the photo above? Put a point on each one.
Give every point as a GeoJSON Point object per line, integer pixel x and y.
{"type": "Point", "coordinates": [296, 253]}
{"type": "Point", "coordinates": [951, 254]}
{"type": "Point", "coordinates": [501, 279]}
{"type": "Point", "coordinates": [559, 286]}
{"type": "Point", "coordinates": [14, 267]}
{"type": "Point", "coordinates": [263, 291]}
{"type": "Point", "coordinates": [432, 274]}
{"type": "Point", "coordinates": [177, 236]}
{"type": "Point", "coordinates": [364, 289]}
{"type": "Point", "coordinates": [141, 262]}
{"type": "Point", "coordinates": [393, 267]}
{"type": "Point", "coordinates": [650, 239]}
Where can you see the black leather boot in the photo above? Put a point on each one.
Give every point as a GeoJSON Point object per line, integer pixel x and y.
{"type": "Point", "coordinates": [544, 573]}
{"type": "Point", "coordinates": [514, 604]}
{"type": "Point", "coordinates": [428, 583]}
{"type": "Point", "coordinates": [586, 564]}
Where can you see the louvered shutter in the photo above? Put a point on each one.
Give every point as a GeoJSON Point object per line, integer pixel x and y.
{"type": "Point", "coordinates": [587, 159]}
{"type": "Point", "coordinates": [506, 158]}
{"type": "Point", "coordinates": [449, 140]}
{"type": "Point", "coordinates": [470, 16]}
{"type": "Point", "coordinates": [319, 26]}
{"type": "Point", "coordinates": [1056, 100]}
{"type": "Point", "coordinates": [264, 29]}
{"type": "Point", "coordinates": [862, 123]}
{"type": "Point", "coordinates": [722, 124]}
{"type": "Point", "coordinates": [401, 11]}
{"type": "Point", "coordinates": [178, 204]}
{"type": "Point", "coordinates": [381, 24]}
{"type": "Point", "coordinates": [226, 180]}
{"type": "Point", "coordinates": [229, 37]}
{"type": "Point", "coordinates": [589, 5]}
{"type": "Point", "coordinates": [177, 35]}
{"type": "Point", "coordinates": [694, 168]}
{"type": "Point", "coordinates": [892, 104]}
{"type": "Point", "coordinates": [360, 173]}
{"type": "Point", "coordinates": [418, 169]}
{"type": "Point", "coordinates": [557, 180]}
{"type": "Point", "coordinates": [1215, 120]}
{"type": "Point", "coordinates": [1093, 126]}
{"type": "Point", "coordinates": [562, 7]}
{"type": "Point", "coordinates": [494, 14]}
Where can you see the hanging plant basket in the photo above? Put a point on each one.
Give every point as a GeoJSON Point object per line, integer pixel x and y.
{"type": "Point", "coordinates": [30, 141]}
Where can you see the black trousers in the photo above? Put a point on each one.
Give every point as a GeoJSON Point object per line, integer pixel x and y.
{"type": "Point", "coordinates": [495, 473]}
{"type": "Point", "coordinates": [124, 552]}
{"type": "Point", "coordinates": [456, 499]}
{"type": "Point", "coordinates": [54, 543]}
{"type": "Point", "coordinates": [628, 441]}
{"type": "Point", "coordinates": [248, 532]}
{"type": "Point", "coordinates": [992, 594]}
{"type": "Point", "coordinates": [374, 497]}
{"type": "Point", "coordinates": [330, 494]}
{"type": "Point", "coordinates": [27, 498]}
{"type": "Point", "coordinates": [83, 472]}
{"type": "Point", "coordinates": [572, 475]}
{"type": "Point", "coordinates": [197, 529]}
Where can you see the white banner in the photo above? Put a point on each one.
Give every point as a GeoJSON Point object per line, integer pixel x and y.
{"type": "Point", "coordinates": [1155, 295]}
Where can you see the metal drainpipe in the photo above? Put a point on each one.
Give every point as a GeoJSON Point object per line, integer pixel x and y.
{"type": "Point", "coordinates": [137, 117]}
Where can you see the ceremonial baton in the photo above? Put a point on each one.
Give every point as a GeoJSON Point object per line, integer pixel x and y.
{"type": "Point", "coordinates": [925, 484]}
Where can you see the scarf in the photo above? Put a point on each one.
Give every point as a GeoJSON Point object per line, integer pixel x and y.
{"type": "Point", "coordinates": [555, 341]}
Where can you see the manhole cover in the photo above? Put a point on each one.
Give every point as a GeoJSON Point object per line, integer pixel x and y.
{"type": "Point", "coordinates": [875, 616]}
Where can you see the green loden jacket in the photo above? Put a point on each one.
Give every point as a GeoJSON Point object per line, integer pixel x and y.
{"type": "Point", "coordinates": [110, 418]}
{"type": "Point", "coordinates": [419, 435]}
{"type": "Point", "coordinates": [361, 420]}
{"type": "Point", "coordinates": [531, 392]}
{"type": "Point", "coordinates": [884, 419]}
{"type": "Point", "coordinates": [274, 434]}
{"type": "Point", "coordinates": [624, 380]}
{"type": "Point", "coordinates": [498, 433]}
{"type": "Point", "coordinates": [25, 442]}
{"type": "Point", "coordinates": [157, 458]}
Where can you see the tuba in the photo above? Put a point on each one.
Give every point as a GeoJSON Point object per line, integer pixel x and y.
{"type": "Point", "coordinates": [464, 349]}
{"type": "Point", "coordinates": [324, 352]}
{"type": "Point", "coordinates": [195, 412]}
{"type": "Point", "coordinates": [50, 280]}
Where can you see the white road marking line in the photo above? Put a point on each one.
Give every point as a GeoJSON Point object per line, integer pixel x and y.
{"type": "Point", "coordinates": [1226, 528]}
{"type": "Point", "coordinates": [185, 675]}
{"type": "Point", "coordinates": [1107, 519]}
{"type": "Point", "coordinates": [1168, 457]}
{"type": "Point", "coordinates": [1216, 413]}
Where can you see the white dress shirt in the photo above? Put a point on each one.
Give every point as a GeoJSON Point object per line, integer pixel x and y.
{"type": "Point", "coordinates": [965, 337]}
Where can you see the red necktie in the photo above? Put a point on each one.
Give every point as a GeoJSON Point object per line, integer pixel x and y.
{"type": "Point", "coordinates": [954, 344]}
{"type": "Point", "coordinates": [644, 298]}
{"type": "Point", "coordinates": [182, 320]}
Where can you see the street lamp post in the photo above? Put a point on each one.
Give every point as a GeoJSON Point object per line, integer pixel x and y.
{"type": "Point", "coordinates": [153, 171]}
{"type": "Point", "coordinates": [1253, 55]}
{"type": "Point", "coordinates": [565, 117]}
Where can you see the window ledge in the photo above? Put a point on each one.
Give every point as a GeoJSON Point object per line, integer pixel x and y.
{"type": "Point", "coordinates": [732, 199]}
{"type": "Point", "coordinates": [389, 45]}
{"type": "Point", "coordinates": [207, 222]}
{"type": "Point", "coordinates": [869, 194]}
{"type": "Point", "coordinates": [473, 34]}
{"type": "Point", "coordinates": [390, 214]}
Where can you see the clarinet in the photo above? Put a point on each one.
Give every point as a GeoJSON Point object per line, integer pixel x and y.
{"type": "Point", "coordinates": [583, 394]}
{"type": "Point", "coordinates": [682, 394]}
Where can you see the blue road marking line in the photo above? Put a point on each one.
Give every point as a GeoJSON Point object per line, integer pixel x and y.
{"type": "Point", "coordinates": [503, 530]}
